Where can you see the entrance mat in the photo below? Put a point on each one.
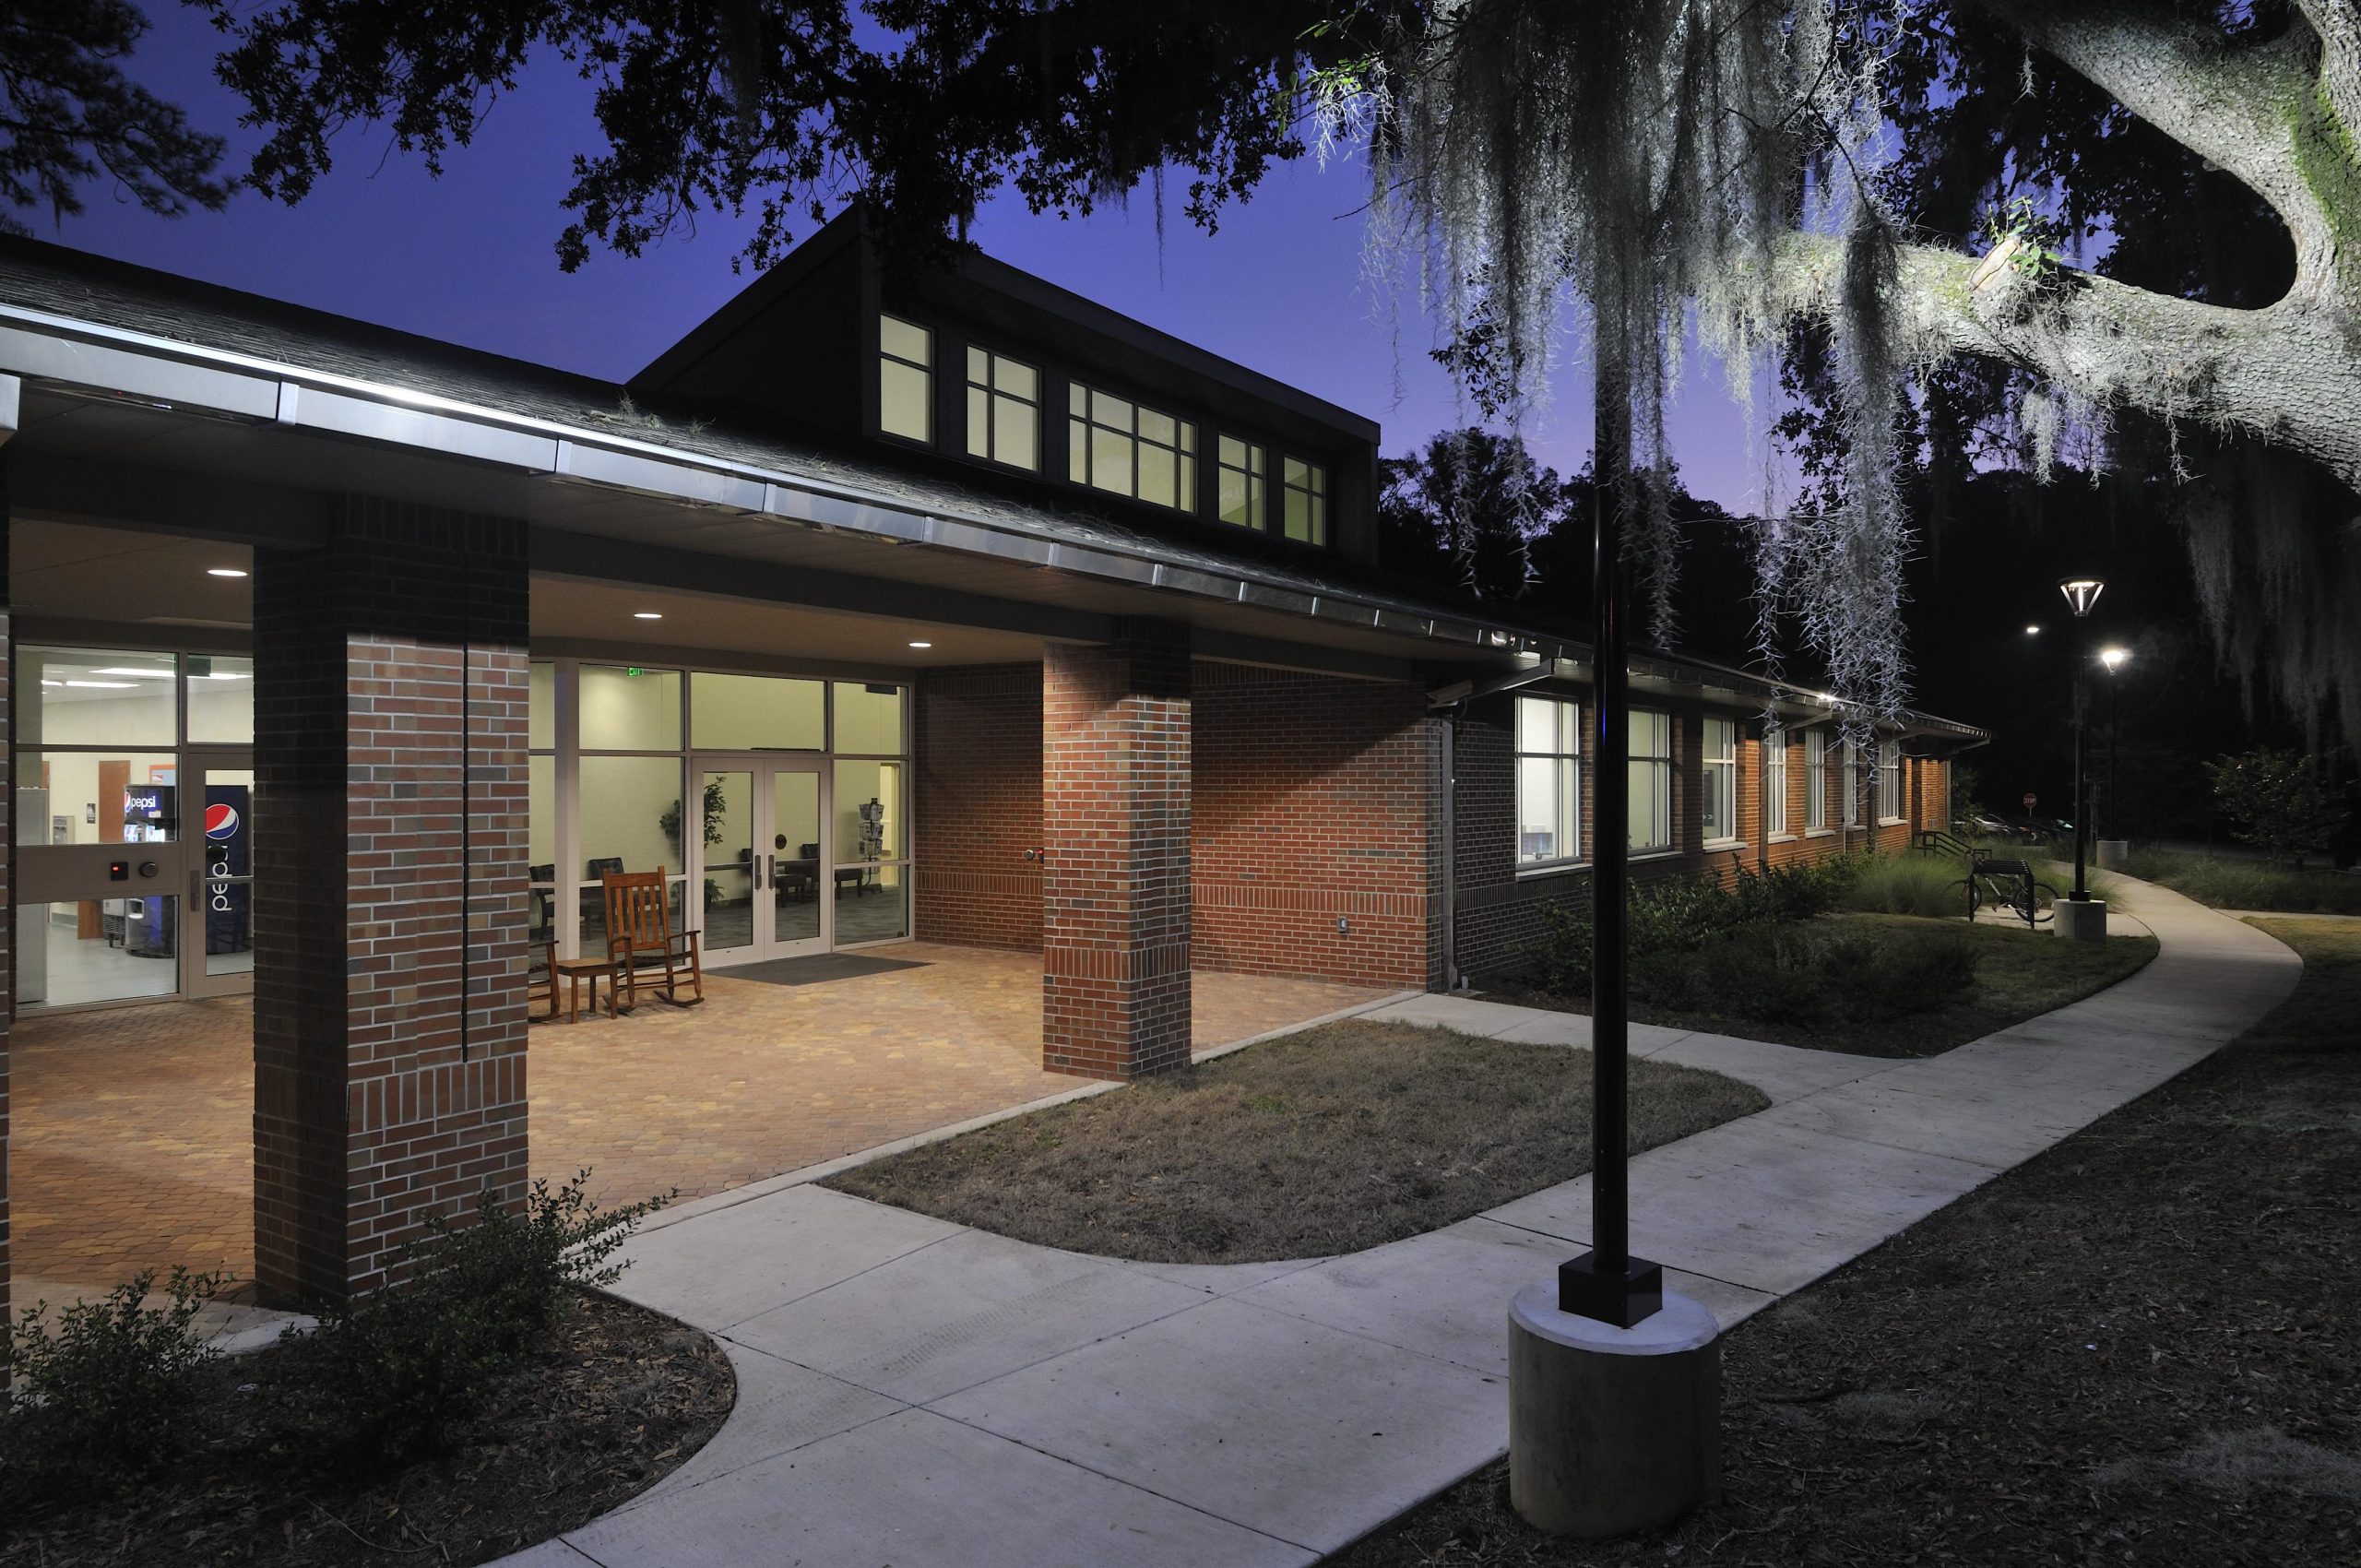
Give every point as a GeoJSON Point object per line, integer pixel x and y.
{"type": "Point", "coordinates": [818, 969]}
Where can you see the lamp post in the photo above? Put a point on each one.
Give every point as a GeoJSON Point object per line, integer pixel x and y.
{"type": "Point", "coordinates": [2087, 918]}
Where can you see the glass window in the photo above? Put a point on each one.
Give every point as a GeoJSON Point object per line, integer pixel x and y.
{"type": "Point", "coordinates": [629, 709]}
{"type": "Point", "coordinates": [1240, 476]}
{"type": "Point", "coordinates": [1774, 781]}
{"type": "Point", "coordinates": [221, 699]}
{"type": "Point", "coordinates": [540, 719]}
{"type": "Point", "coordinates": [1004, 409]}
{"type": "Point", "coordinates": [904, 379]}
{"type": "Point", "coordinates": [1720, 760]}
{"type": "Point", "coordinates": [98, 797]}
{"type": "Point", "coordinates": [97, 950]}
{"type": "Point", "coordinates": [870, 817]}
{"type": "Point", "coordinates": [756, 713]}
{"type": "Point", "coordinates": [1548, 780]}
{"type": "Point", "coordinates": [873, 903]}
{"type": "Point", "coordinates": [1650, 775]}
{"type": "Point", "coordinates": [630, 814]}
{"type": "Point", "coordinates": [1127, 449]}
{"type": "Point", "coordinates": [1890, 780]}
{"type": "Point", "coordinates": [1305, 501]}
{"type": "Point", "coordinates": [869, 719]}
{"type": "Point", "coordinates": [1815, 779]}
{"type": "Point", "coordinates": [99, 697]}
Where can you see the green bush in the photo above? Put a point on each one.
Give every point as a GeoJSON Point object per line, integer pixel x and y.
{"type": "Point", "coordinates": [1800, 975]}
{"type": "Point", "coordinates": [102, 1395]}
{"type": "Point", "coordinates": [1906, 885]}
{"type": "Point", "coordinates": [385, 1377]}
{"type": "Point", "coordinates": [1680, 914]}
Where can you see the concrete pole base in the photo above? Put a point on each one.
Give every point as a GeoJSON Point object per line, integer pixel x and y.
{"type": "Point", "coordinates": [2113, 852]}
{"type": "Point", "coordinates": [2084, 921]}
{"type": "Point", "coordinates": [1612, 1430]}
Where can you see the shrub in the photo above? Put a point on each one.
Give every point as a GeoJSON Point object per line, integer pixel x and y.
{"type": "Point", "coordinates": [1906, 885]}
{"type": "Point", "coordinates": [1681, 914]}
{"type": "Point", "coordinates": [2248, 885]}
{"type": "Point", "coordinates": [1797, 974]}
{"type": "Point", "coordinates": [2277, 800]}
{"type": "Point", "coordinates": [385, 1377]}
{"type": "Point", "coordinates": [104, 1394]}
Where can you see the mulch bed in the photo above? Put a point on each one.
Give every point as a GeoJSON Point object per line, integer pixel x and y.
{"type": "Point", "coordinates": [621, 1398]}
{"type": "Point", "coordinates": [2142, 1348]}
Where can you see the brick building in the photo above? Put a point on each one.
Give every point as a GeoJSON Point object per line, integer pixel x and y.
{"type": "Point", "coordinates": [956, 608]}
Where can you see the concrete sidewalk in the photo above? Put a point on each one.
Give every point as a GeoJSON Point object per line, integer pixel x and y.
{"type": "Point", "coordinates": [913, 1393]}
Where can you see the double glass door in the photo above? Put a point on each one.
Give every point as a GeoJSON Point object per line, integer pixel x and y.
{"type": "Point", "coordinates": [764, 874]}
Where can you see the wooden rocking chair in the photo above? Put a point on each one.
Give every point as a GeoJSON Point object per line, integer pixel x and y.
{"type": "Point", "coordinates": [647, 954]}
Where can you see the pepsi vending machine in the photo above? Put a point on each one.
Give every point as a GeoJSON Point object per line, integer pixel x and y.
{"type": "Point", "coordinates": [150, 815]}
{"type": "Point", "coordinates": [229, 849]}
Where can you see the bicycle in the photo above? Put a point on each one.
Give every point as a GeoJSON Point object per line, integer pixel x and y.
{"type": "Point", "coordinates": [2006, 884]}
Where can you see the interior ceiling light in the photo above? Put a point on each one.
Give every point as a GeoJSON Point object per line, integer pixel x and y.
{"type": "Point", "coordinates": [223, 572]}
{"type": "Point", "coordinates": [922, 645]}
{"type": "Point", "coordinates": [150, 674]}
{"type": "Point", "coordinates": [104, 685]}
{"type": "Point", "coordinates": [647, 615]}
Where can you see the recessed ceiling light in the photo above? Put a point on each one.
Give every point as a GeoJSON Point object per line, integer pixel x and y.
{"type": "Point", "coordinates": [647, 615]}
{"type": "Point", "coordinates": [922, 645]}
{"type": "Point", "coordinates": [104, 685]}
{"type": "Point", "coordinates": [223, 572]}
{"type": "Point", "coordinates": [148, 673]}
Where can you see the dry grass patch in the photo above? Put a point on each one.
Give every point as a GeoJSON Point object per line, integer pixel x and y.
{"type": "Point", "coordinates": [1329, 1141]}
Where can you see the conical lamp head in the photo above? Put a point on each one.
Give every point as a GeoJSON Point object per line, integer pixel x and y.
{"type": "Point", "coordinates": [2080, 592]}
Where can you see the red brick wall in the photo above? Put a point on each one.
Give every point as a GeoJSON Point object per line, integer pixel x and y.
{"type": "Point", "coordinates": [1115, 811]}
{"type": "Point", "coordinates": [390, 697]}
{"type": "Point", "coordinates": [977, 737]}
{"type": "Point", "coordinates": [1316, 802]}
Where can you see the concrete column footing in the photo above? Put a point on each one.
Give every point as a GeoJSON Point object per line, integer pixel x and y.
{"type": "Point", "coordinates": [1612, 1430]}
{"type": "Point", "coordinates": [2081, 921]}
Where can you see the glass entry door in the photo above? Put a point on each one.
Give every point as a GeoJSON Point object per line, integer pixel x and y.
{"type": "Point", "coordinates": [761, 872]}
{"type": "Point", "coordinates": [220, 837]}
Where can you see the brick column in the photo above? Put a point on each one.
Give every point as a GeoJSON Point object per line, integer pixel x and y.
{"type": "Point", "coordinates": [390, 703]}
{"type": "Point", "coordinates": [7, 884]}
{"type": "Point", "coordinates": [1115, 820]}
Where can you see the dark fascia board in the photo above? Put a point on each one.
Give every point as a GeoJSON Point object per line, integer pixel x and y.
{"type": "Point", "coordinates": [846, 227]}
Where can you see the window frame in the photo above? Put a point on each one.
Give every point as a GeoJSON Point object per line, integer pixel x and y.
{"type": "Point", "coordinates": [1253, 471]}
{"type": "Point", "coordinates": [925, 369]}
{"type": "Point", "coordinates": [1815, 781]}
{"type": "Point", "coordinates": [1717, 780]}
{"type": "Point", "coordinates": [1775, 783]}
{"type": "Point", "coordinates": [1569, 780]}
{"type": "Point", "coordinates": [1851, 800]}
{"type": "Point", "coordinates": [1659, 793]}
{"type": "Point", "coordinates": [1314, 492]}
{"type": "Point", "coordinates": [1889, 783]}
{"type": "Point", "coordinates": [991, 391]}
{"type": "Point", "coordinates": [1085, 424]}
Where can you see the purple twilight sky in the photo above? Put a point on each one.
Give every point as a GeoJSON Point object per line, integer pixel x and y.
{"type": "Point", "coordinates": [469, 258]}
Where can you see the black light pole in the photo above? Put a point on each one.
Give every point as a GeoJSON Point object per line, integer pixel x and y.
{"type": "Point", "coordinates": [1607, 1283]}
{"type": "Point", "coordinates": [2081, 593]}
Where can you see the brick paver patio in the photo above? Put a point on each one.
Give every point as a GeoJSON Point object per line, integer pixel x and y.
{"type": "Point", "coordinates": [132, 1129]}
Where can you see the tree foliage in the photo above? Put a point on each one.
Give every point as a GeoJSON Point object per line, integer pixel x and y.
{"type": "Point", "coordinates": [69, 115]}
{"type": "Point", "coordinates": [2278, 801]}
{"type": "Point", "coordinates": [1470, 508]}
{"type": "Point", "coordinates": [2171, 187]}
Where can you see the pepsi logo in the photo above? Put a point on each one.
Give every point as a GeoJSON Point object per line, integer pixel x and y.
{"type": "Point", "coordinates": [221, 821]}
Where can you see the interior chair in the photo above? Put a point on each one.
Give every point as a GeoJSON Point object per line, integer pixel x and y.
{"type": "Point", "coordinates": [541, 980]}
{"type": "Point", "coordinates": [646, 952]}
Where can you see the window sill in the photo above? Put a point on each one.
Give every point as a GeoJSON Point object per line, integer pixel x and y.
{"type": "Point", "coordinates": [1549, 868]}
{"type": "Point", "coordinates": [1820, 833]}
{"type": "Point", "coordinates": [1892, 821]}
{"type": "Point", "coordinates": [1782, 838]}
{"type": "Point", "coordinates": [1663, 854]}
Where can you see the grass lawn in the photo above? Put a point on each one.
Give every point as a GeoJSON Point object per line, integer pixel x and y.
{"type": "Point", "coordinates": [2142, 1348]}
{"type": "Point", "coordinates": [1329, 1141]}
{"type": "Point", "coordinates": [2248, 885]}
{"type": "Point", "coordinates": [2016, 974]}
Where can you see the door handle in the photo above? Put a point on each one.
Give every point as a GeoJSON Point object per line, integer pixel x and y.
{"type": "Point", "coordinates": [772, 869]}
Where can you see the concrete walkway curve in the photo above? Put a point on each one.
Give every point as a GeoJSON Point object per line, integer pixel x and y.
{"type": "Point", "coordinates": [915, 1392]}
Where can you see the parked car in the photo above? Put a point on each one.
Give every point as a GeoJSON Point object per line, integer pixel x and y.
{"type": "Point", "coordinates": [1983, 825]}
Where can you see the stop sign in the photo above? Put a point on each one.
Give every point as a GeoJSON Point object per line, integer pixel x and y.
{"type": "Point", "coordinates": [2029, 798]}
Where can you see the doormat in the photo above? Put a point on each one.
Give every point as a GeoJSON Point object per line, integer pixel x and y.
{"type": "Point", "coordinates": [818, 969]}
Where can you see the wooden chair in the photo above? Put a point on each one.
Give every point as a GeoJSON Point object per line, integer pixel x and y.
{"type": "Point", "coordinates": [645, 952]}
